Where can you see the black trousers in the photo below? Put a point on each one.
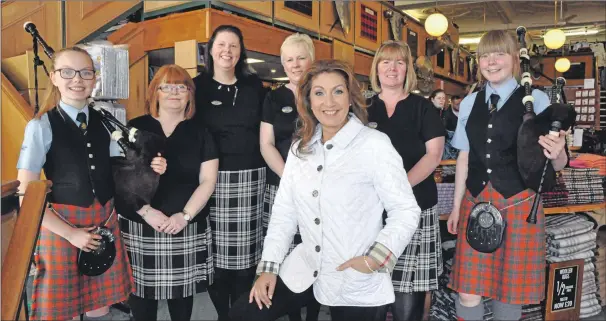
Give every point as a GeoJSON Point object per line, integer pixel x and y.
{"type": "Point", "coordinates": [147, 309]}
{"type": "Point", "coordinates": [228, 286]}
{"type": "Point", "coordinates": [312, 312]}
{"type": "Point", "coordinates": [285, 300]}
{"type": "Point", "coordinates": [408, 306]}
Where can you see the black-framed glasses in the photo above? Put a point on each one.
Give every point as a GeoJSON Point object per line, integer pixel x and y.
{"type": "Point", "coordinates": [169, 88]}
{"type": "Point", "coordinates": [68, 73]}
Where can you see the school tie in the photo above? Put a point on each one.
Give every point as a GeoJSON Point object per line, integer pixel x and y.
{"type": "Point", "coordinates": [81, 117]}
{"type": "Point", "coordinates": [494, 99]}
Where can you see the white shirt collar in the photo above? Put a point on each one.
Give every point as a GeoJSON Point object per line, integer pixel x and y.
{"type": "Point", "coordinates": [344, 136]}
{"type": "Point", "coordinates": [72, 111]}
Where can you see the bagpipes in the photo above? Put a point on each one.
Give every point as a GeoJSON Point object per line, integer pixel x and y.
{"type": "Point", "coordinates": [535, 169]}
{"type": "Point", "coordinates": [135, 181]}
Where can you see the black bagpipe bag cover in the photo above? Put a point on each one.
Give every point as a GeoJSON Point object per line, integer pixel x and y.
{"type": "Point", "coordinates": [135, 180]}
{"type": "Point", "coordinates": [531, 159]}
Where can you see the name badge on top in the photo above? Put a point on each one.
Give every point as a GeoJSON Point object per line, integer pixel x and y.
{"type": "Point", "coordinates": [372, 124]}
{"type": "Point", "coordinates": [216, 103]}
{"type": "Point", "coordinates": [287, 109]}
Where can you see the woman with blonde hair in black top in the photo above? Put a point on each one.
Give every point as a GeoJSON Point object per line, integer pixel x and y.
{"type": "Point", "coordinates": [278, 124]}
{"type": "Point", "coordinates": [416, 131]}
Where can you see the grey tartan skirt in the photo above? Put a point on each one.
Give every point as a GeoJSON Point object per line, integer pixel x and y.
{"type": "Point", "coordinates": [420, 264]}
{"type": "Point", "coordinates": [236, 217]}
{"type": "Point", "coordinates": [168, 266]}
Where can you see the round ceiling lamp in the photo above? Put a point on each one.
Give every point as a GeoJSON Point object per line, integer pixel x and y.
{"type": "Point", "coordinates": [436, 24]}
{"type": "Point", "coordinates": [562, 64]}
{"type": "Point", "coordinates": [554, 38]}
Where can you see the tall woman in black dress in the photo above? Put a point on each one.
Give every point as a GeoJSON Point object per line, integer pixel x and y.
{"type": "Point", "coordinates": [416, 131]}
{"type": "Point", "coordinates": [168, 241]}
{"type": "Point", "coordinates": [278, 124]}
{"type": "Point", "coordinates": [229, 98]}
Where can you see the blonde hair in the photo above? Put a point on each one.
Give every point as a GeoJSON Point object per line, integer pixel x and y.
{"type": "Point", "coordinates": [170, 74]}
{"type": "Point", "coordinates": [499, 41]}
{"type": "Point", "coordinates": [53, 96]}
{"type": "Point", "coordinates": [302, 40]}
{"type": "Point", "coordinates": [390, 50]}
{"type": "Point", "coordinates": [306, 124]}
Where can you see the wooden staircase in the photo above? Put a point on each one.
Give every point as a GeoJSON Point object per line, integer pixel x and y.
{"type": "Point", "coordinates": [16, 112]}
{"type": "Point", "coordinates": [20, 228]}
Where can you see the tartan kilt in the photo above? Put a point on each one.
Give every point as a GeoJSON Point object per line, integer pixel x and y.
{"type": "Point", "coordinates": [514, 273]}
{"type": "Point", "coordinates": [236, 217]}
{"type": "Point", "coordinates": [268, 203]}
{"type": "Point", "coordinates": [59, 291]}
{"type": "Point", "coordinates": [167, 266]}
{"type": "Point", "coordinates": [420, 265]}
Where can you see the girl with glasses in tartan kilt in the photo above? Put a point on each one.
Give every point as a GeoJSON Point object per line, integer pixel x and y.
{"type": "Point", "coordinates": [67, 140]}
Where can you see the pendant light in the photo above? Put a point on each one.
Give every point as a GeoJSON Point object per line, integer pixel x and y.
{"type": "Point", "coordinates": [562, 64]}
{"type": "Point", "coordinates": [555, 38]}
{"type": "Point", "coordinates": [436, 24]}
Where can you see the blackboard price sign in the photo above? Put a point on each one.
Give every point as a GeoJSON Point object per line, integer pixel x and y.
{"type": "Point", "coordinates": [564, 290]}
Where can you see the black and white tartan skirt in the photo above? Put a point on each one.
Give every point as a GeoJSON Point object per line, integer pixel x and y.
{"type": "Point", "coordinates": [268, 203]}
{"type": "Point", "coordinates": [169, 266]}
{"type": "Point", "coordinates": [420, 264]}
{"type": "Point", "coordinates": [236, 217]}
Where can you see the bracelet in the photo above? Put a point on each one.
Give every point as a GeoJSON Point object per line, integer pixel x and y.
{"type": "Point", "coordinates": [368, 265]}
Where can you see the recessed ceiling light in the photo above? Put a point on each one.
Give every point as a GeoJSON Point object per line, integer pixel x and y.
{"type": "Point", "coordinates": [281, 78]}
{"type": "Point", "coordinates": [253, 60]}
{"type": "Point", "coordinates": [273, 71]}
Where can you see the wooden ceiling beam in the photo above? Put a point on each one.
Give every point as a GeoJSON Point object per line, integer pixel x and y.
{"type": "Point", "coordinates": [430, 4]}
{"type": "Point", "coordinates": [506, 11]}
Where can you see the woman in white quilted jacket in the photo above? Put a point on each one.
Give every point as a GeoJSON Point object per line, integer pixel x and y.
{"type": "Point", "coordinates": [335, 185]}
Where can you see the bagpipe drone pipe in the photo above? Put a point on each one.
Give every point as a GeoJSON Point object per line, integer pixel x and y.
{"type": "Point", "coordinates": [135, 181]}
{"type": "Point", "coordinates": [535, 169]}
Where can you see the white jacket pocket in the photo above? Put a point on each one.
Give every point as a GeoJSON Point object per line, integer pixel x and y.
{"type": "Point", "coordinates": [299, 270]}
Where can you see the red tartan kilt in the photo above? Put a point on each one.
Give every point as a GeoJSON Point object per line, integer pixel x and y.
{"type": "Point", "coordinates": [514, 273]}
{"type": "Point", "coordinates": [59, 292]}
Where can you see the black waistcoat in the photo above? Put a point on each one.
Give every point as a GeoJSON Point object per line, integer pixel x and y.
{"type": "Point", "coordinates": [493, 145]}
{"type": "Point", "coordinates": [77, 164]}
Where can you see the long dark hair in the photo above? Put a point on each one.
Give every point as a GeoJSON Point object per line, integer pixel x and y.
{"type": "Point", "coordinates": [242, 69]}
{"type": "Point", "coordinates": [306, 124]}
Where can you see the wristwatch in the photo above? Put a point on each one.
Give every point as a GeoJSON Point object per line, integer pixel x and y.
{"type": "Point", "coordinates": [186, 216]}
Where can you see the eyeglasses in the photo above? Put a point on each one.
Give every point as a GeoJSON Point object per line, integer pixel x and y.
{"type": "Point", "coordinates": [167, 88]}
{"type": "Point", "coordinates": [68, 73]}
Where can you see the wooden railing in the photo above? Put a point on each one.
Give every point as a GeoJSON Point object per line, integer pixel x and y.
{"type": "Point", "coordinates": [21, 244]}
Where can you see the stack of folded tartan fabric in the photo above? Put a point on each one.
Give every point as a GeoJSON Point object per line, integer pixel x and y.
{"type": "Point", "coordinates": [443, 299]}
{"type": "Point", "coordinates": [445, 197]}
{"type": "Point", "coordinates": [571, 237]}
{"type": "Point", "coordinates": [590, 161]}
{"type": "Point", "coordinates": [600, 266]}
{"type": "Point", "coordinates": [558, 196]}
{"type": "Point", "coordinates": [585, 185]}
